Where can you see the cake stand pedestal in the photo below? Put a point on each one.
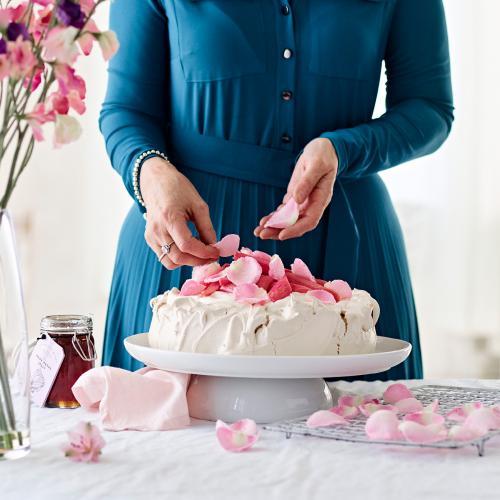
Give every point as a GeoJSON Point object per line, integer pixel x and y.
{"type": "Point", "coordinates": [264, 388]}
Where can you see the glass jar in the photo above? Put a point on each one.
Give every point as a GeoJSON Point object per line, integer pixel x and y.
{"type": "Point", "coordinates": [74, 334]}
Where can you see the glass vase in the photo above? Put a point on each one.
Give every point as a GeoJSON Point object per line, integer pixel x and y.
{"type": "Point", "coordinates": [14, 361]}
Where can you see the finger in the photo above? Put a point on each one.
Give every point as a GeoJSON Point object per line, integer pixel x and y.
{"type": "Point", "coordinates": [203, 223]}
{"type": "Point", "coordinates": [307, 183]}
{"type": "Point", "coordinates": [187, 243]}
{"type": "Point", "coordinates": [166, 262]}
{"type": "Point", "coordinates": [269, 233]}
{"type": "Point", "coordinates": [185, 259]}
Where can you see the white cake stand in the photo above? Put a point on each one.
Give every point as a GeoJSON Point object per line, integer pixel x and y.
{"type": "Point", "coordinates": [265, 388]}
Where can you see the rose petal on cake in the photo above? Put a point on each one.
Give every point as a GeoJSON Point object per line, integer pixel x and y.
{"type": "Point", "coordinates": [191, 287]}
{"type": "Point", "coordinates": [243, 271]}
{"type": "Point", "coordinates": [424, 417]}
{"type": "Point", "coordinates": [368, 409]}
{"type": "Point", "coordinates": [460, 413]}
{"type": "Point", "coordinates": [280, 290]}
{"type": "Point", "coordinates": [261, 256]}
{"type": "Point", "coordinates": [396, 392]}
{"type": "Point", "coordinates": [325, 418]}
{"type": "Point", "coordinates": [250, 293]}
{"type": "Point", "coordinates": [341, 289]}
{"type": "Point", "coordinates": [345, 411]}
{"type": "Point", "coordinates": [228, 245]}
{"type": "Point", "coordinates": [200, 273]}
{"type": "Point", "coordinates": [383, 426]}
{"type": "Point", "coordinates": [276, 267]}
{"type": "Point", "coordinates": [229, 288]}
{"type": "Point", "coordinates": [265, 282]}
{"type": "Point", "coordinates": [210, 289]}
{"type": "Point", "coordinates": [322, 295]}
{"type": "Point", "coordinates": [239, 436]}
{"type": "Point", "coordinates": [285, 216]}
{"type": "Point", "coordinates": [408, 405]}
{"type": "Point", "coordinates": [422, 434]}
{"type": "Point", "coordinates": [300, 268]}
{"type": "Point", "coordinates": [299, 288]}
{"type": "Point", "coordinates": [300, 280]}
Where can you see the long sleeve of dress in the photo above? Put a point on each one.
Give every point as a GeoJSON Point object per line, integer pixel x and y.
{"type": "Point", "coordinates": [419, 97]}
{"type": "Point", "coordinates": [133, 114]}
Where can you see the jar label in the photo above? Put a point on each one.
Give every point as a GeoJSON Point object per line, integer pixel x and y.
{"type": "Point", "coordinates": [45, 361]}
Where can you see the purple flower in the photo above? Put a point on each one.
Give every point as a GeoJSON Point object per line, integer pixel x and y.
{"type": "Point", "coordinates": [3, 46]}
{"type": "Point", "coordinates": [69, 13]}
{"type": "Point", "coordinates": [14, 30]}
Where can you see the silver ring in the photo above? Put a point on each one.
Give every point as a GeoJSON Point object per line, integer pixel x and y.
{"type": "Point", "coordinates": [165, 249]}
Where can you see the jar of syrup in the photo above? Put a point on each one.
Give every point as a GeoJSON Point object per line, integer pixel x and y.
{"type": "Point", "coordinates": [74, 334]}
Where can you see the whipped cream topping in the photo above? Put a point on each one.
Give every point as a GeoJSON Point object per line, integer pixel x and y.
{"type": "Point", "coordinates": [298, 325]}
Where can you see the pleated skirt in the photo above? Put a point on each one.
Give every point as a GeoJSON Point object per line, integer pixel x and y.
{"type": "Point", "coordinates": [236, 206]}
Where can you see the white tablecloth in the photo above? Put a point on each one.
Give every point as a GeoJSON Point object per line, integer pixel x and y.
{"type": "Point", "coordinates": [190, 464]}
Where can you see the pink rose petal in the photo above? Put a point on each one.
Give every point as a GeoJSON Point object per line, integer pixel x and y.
{"type": "Point", "coordinates": [200, 273]}
{"type": "Point", "coordinates": [325, 418]}
{"type": "Point", "coordinates": [464, 433]}
{"type": "Point", "coordinates": [280, 290]}
{"type": "Point", "coordinates": [285, 216]}
{"type": "Point", "coordinates": [228, 245]}
{"type": "Point", "coordinates": [418, 433]}
{"type": "Point", "coordinates": [210, 289]}
{"type": "Point", "coordinates": [265, 282]}
{"type": "Point", "coordinates": [396, 392]}
{"type": "Point", "coordinates": [356, 399]}
{"type": "Point", "coordinates": [424, 417]}
{"type": "Point", "coordinates": [236, 437]}
{"type": "Point", "coordinates": [368, 409]}
{"type": "Point", "coordinates": [341, 289]}
{"type": "Point", "coordinates": [460, 413]}
{"type": "Point", "coordinates": [383, 426]}
{"type": "Point", "coordinates": [261, 256]}
{"type": "Point", "coordinates": [191, 287]}
{"type": "Point", "coordinates": [228, 288]}
{"type": "Point", "coordinates": [276, 267]}
{"type": "Point", "coordinates": [482, 420]}
{"type": "Point", "coordinates": [244, 271]}
{"type": "Point", "coordinates": [300, 268]}
{"type": "Point", "coordinates": [250, 293]}
{"type": "Point", "coordinates": [345, 411]}
{"type": "Point", "coordinates": [408, 405]}
{"type": "Point", "coordinates": [217, 277]}
{"type": "Point", "coordinates": [322, 295]}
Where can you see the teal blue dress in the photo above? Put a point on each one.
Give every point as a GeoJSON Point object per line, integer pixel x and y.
{"type": "Point", "coordinates": [232, 90]}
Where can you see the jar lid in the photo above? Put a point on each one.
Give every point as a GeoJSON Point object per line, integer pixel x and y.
{"type": "Point", "coordinates": [66, 323]}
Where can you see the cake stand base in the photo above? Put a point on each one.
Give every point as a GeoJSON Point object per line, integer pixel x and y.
{"type": "Point", "coordinates": [263, 400]}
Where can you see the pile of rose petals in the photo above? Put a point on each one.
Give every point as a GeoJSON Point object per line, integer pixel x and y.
{"type": "Point", "coordinates": [255, 277]}
{"type": "Point", "coordinates": [401, 417]}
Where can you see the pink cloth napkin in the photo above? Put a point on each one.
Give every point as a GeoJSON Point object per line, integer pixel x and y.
{"type": "Point", "coordinates": [145, 400]}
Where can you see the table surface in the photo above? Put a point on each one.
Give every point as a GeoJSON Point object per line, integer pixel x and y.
{"type": "Point", "coordinates": [189, 463]}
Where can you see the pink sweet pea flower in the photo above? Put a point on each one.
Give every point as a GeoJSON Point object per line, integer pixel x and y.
{"type": "Point", "coordinates": [68, 80]}
{"type": "Point", "coordinates": [228, 245]}
{"type": "Point", "coordinates": [4, 66]}
{"type": "Point", "coordinates": [239, 436]}
{"type": "Point", "coordinates": [244, 271]}
{"type": "Point", "coordinates": [383, 425]}
{"type": "Point", "coordinates": [76, 102]}
{"type": "Point", "coordinates": [67, 130]}
{"type": "Point", "coordinates": [21, 58]}
{"type": "Point", "coordinates": [86, 6]}
{"type": "Point", "coordinates": [37, 118]}
{"type": "Point", "coordinates": [276, 268]}
{"type": "Point", "coordinates": [109, 43]}
{"type": "Point", "coordinates": [87, 38]}
{"type": "Point", "coordinates": [85, 443]}
{"type": "Point", "coordinates": [285, 216]}
{"type": "Point", "coordinates": [325, 418]}
{"type": "Point", "coordinates": [396, 392]}
{"type": "Point", "coordinates": [58, 102]}
{"type": "Point", "coordinates": [60, 45]}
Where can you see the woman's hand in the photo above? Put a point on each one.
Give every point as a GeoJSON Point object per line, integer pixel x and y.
{"type": "Point", "coordinates": [171, 201]}
{"type": "Point", "coordinates": [311, 186]}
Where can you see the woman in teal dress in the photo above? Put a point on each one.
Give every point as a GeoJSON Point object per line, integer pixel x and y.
{"type": "Point", "coordinates": [240, 94]}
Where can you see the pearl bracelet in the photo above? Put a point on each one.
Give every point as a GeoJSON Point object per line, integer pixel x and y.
{"type": "Point", "coordinates": [137, 167]}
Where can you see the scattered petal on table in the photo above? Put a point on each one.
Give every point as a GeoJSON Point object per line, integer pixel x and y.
{"type": "Point", "coordinates": [239, 436]}
{"type": "Point", "coordinates": [228, 245]}
{"type": "Point", "coordinates": [345, 411]}
{"type": "Point", "coordinates": [464, 433]}
{"type": "Point", "coordinates": [408, 405]}
{"type": "Point", "coordinates": [85, 443]}
{"type": "Point", "coordinates": [396, 392]}
{"type": "Point", "coordinates": [383, 425]}
{"type": "Point", "coordinates": [424, 417]}
{"type": "Point", "coordinates": [356, 399]}
{"type": "Point", "coordinates": [460, 413]}
{"type": "Point", "coordinates": [368, 409]}
{"type": "Point", "coordinates": [325, 418]}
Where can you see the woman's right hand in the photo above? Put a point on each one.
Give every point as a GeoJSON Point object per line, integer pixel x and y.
{"type": "Point", "coordinates": [171, 201]}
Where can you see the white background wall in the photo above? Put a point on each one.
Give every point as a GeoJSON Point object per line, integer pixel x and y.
{"type": "Point", "coordinates": [70, 204]}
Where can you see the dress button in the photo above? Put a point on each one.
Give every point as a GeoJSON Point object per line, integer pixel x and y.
{"type": "Point", "coordinates": [287, 53]}
{"type": "Point", "coordinates": [286, 95]}
{"type": "Point", "coordinates": [285, 138]}
{"type": "Point", "coordinates": [285, 10]}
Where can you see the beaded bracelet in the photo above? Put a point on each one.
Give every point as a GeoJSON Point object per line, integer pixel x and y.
{"type": "Point", "coordinates": [137, 167]}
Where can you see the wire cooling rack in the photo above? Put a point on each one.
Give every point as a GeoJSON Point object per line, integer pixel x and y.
{"type": "Point", "coordinates": [448, 397]}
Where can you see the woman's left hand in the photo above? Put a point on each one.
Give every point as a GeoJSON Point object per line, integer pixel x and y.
{"type": "Point", "coordinates": [311, 186]}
